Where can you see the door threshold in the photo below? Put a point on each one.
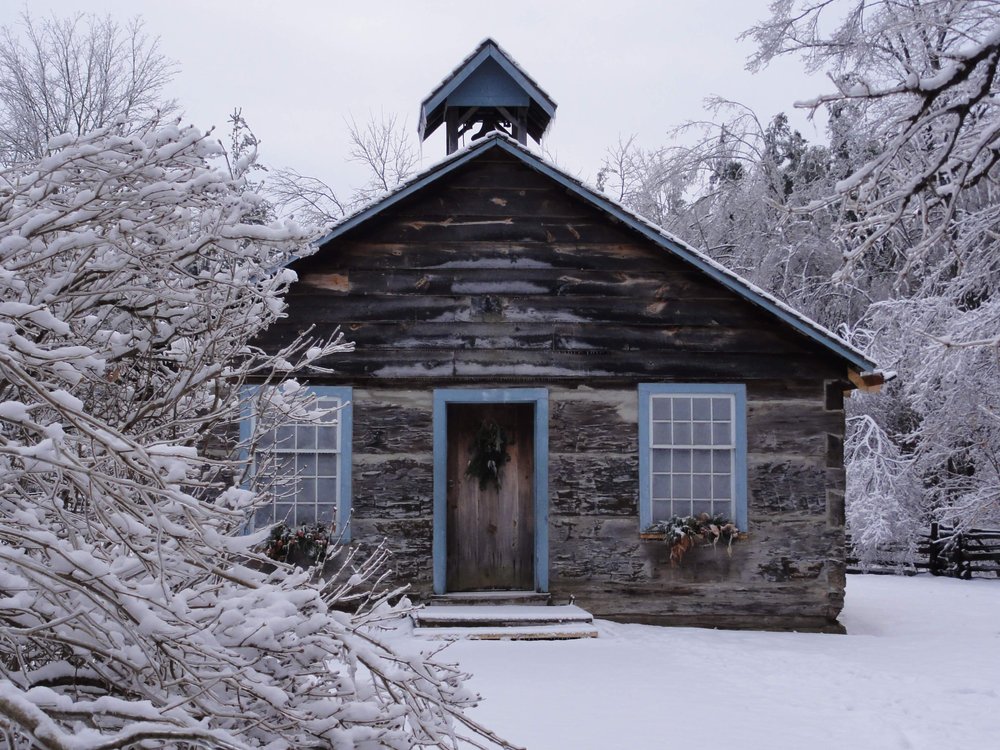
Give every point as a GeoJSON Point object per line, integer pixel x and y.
{"type": "Point", "coordinates": [492, 597]}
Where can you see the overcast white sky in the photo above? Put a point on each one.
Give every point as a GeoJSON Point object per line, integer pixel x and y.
{"type": "Point", "coordinates": [298, 68]}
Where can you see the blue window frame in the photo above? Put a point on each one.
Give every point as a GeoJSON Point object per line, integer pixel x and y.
{"type": "Point", "coordinates": [692, 451]}
{"type": "Point", "coordinates": [304, 465]}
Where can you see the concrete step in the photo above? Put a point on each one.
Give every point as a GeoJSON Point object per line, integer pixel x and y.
{"type": "Point", "coordinates": [564, 632]}
{"type": "Point", "coordinates": [465, 598]}
{"type": "Point", "coordinates": [500, 616]}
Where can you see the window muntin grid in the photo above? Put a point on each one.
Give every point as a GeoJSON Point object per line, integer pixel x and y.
{"type": "Point", "coordinates": [692, 451]}
{"type": "Point", "coordinates": [299, 465]}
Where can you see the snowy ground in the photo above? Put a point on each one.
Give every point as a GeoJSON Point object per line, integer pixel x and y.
{"type": "Point", "coordinates": [920, 668]}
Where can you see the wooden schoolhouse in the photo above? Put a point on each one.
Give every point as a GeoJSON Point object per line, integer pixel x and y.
{"type": "Point", "coordinates": [540, 375]}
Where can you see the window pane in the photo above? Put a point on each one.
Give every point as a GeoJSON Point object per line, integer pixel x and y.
{"type": "Point", "coordinates": [722, 486]}
{"type": "Point", "coordinates": [701, 506]}
{"type": "Point", "coordinates": [326, 513]}
{"type": "Point", "coordinates": [662, 510]}
{"type": "Point", "coordinates": [305, 514]}
{"type": "Point", "coordinates": [661, 459]}
{"type": "Point", "coordinates": [327, 466]}
{"type": "Point", "coordinates": [266, 441]}
{"type": "Point", "coordinates": [286, 438]}
{"type": "Point", "coordinates": [721, 409]}
{"type": "Point", "coordinates": [681, 486]}
{"type": "Point", "coordinates": [661, 433]}
{"type": "Point", "coordinates": [702, 433]}
{"type": "Point", "coordinates": [702, 461]}
{"type": "Point", "coordinates": [701, 408]}
{"type": "Point", "coordinates": [682, 460]}
{"type": "Point", "coordinates": [326, 490]}
{"type": "Point", "coordinates": [661, 408]}
{"type": "Point", "coordinates": [306, 491]}
{"type": "Point", "coordinates": [661, 485]}
{"type": "Point", "coordinates": [332, 416]}
{"type": "Point", "coordinates": [284, 512]}
{"type": "Point", "coordinates": [723, 508]}
{"type": "Point", "coordinates": [723, 433]}
{"type": "Point", "coordinates": [682, 433]}
{"type": "Point", "coordinates": [306, 464]}
{"type": "Point", "coordinates": [284, 465]}
{"type": "Point", "coordinates": [306, 438]}
{"type": "Point", "coordinates": [682, 408]}
{"type": "Point", "coordinates": [722, 461]}
{"type": "Point", "coordinates": [327, 438]}
{"type": "Point", "coordinates": [701, 486]}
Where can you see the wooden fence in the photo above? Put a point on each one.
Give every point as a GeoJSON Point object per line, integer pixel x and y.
{"type": "Point", "coordinates": [943, 552]}
{"type": "Point", "coordinates": [964, 554]}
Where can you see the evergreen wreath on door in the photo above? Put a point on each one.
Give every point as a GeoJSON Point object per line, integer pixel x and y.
{"type": "Point", "coordinates": [489, 454]}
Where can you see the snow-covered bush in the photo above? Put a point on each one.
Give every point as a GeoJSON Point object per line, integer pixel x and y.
{"type": "Point", "coordinates": [131, 614]}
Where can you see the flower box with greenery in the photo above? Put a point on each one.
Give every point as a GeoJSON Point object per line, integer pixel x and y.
{"type": "Point", "coordinates": [681, 533]}
{"type": "Point", "coordinates": [304, 546]}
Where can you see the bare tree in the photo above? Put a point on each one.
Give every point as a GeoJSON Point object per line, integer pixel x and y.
{"type": "Point", "coordinates": [73, 75]}
{"type": "Point", "coordinates": [383, 146]}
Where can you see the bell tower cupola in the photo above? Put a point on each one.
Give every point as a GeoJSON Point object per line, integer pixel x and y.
{"type": "Point", "coordinates": [487, 92]}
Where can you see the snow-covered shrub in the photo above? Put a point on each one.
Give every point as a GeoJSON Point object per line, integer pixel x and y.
{"type": "Point", "coordinates": [131, 614]}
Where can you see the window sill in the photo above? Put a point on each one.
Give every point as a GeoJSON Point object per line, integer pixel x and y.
{"type": "Point", "coordinates": [647, 536]}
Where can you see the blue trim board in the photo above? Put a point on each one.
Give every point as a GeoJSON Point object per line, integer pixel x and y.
{"type": "Point", "coordinates": [739, 391]}
{"type": "Point", "coordinates": [727, 278]}
{"type": "Point", "coordinates": [540, 398]}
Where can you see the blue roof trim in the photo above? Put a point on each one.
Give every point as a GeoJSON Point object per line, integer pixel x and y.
{"type": "Point", "coordinates": [487, 49]}
{"type": "Point", "coordinates": [720, 273]}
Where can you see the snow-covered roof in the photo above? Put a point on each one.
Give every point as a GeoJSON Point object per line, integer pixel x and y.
{"type": "Point", "coordinates": [541, 106]}
{"type": "Point", "coordinates": [728, 278]}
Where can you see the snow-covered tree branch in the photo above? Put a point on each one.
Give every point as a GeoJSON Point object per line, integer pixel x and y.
{"type": "Point", "coordinates": [131, 611]}
{"type": "Point", "coordinates": [922, 78]}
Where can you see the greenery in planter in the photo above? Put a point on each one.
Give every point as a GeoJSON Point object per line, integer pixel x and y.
{"type": "Point", "coordinates": [489, 454]}
{"type": "Point", "coordinates": [681, 533]}
{"type": "Point", "coordinates": [305, 545]}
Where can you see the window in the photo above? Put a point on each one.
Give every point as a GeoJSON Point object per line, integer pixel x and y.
{"type": "Point", "coordinates": [692, 451]}
{"type": "Point", "coordinates": [306, 466]}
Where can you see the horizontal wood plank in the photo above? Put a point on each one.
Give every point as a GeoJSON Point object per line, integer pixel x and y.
{"type": "Point", "coordinates": [519, 281]}
{"type": "Point", "coordinates": [648, 366]}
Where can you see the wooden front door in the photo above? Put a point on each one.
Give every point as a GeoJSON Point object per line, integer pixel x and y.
{"type": "Point", "coordinates": [491, 541]}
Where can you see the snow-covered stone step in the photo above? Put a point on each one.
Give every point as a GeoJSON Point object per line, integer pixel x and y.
{"type": "Point", "coordinates": [562, 632]}
{"type": "Point", "coordinates": [500, 615]}
{"type": "Point", "coordinates": [491, 598]}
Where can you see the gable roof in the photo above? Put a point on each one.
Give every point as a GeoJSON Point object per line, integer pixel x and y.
{"type": "Point", "coordinates": [500, 73]}
{"type": "Point", "coordinates": [869, 376]}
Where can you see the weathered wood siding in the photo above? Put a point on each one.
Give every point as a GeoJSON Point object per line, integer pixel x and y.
{"type": "Point", "coordinates": [495, 276]}
{"type": "Point", "coordinates": [788, 573]}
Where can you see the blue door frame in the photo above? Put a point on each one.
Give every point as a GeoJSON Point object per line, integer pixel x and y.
{"type": "Point", "coordinates": [540, 398]}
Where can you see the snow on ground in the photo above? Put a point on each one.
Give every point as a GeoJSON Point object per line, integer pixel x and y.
{"type": "Point", "coordinates": [920, 668]}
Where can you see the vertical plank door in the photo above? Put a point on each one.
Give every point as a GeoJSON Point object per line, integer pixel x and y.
{"type": "Point", "coordinates": [491, 531]}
